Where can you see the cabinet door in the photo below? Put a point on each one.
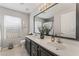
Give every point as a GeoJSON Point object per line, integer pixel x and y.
{"type": "Point", "coordinates": [28, 45]}
{"type": "Point", "coordinates": [43, 52]}
{"type": "Point", "coordinates": [77, 21]}
{"type": "Point", "coordinates": [34, 49]}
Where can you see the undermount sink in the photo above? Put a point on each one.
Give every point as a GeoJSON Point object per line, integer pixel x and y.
{"type": "Point", "coordinates": [58, 46]}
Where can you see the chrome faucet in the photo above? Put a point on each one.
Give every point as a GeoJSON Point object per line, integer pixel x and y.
{"type": "Point", "coordinates": [53, 38]}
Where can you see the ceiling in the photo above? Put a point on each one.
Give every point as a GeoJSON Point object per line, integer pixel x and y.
{"type": "Point", "coordinates": [22, 7]}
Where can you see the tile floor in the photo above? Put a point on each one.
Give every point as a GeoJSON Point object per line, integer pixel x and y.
{"type": "Point", "coordinates": [17, 51]}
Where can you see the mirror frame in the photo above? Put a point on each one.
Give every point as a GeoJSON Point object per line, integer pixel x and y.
{"type": "Point", "coordinates": [49, 35]}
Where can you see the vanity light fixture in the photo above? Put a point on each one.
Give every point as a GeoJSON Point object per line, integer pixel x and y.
{"type": "Point", "coordinates": [44, 6]}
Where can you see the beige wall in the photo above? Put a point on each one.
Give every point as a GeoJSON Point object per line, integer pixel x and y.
{"type": "Point", "coordinates": [23, 16]}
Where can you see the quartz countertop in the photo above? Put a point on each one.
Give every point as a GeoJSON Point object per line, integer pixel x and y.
{"type": "Point", "coordinates": [66, 48]}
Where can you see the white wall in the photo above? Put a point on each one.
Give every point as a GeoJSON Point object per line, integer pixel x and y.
{"type": "Point", "coordinates": [23, 16]}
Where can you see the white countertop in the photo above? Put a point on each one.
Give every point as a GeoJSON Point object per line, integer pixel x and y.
{"type": "Point", "coordinates": [66, 48]}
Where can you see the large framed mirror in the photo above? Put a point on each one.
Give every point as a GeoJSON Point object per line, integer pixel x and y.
{"type": "Point", "coordinates": [60, 19]}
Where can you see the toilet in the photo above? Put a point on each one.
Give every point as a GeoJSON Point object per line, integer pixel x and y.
{"type": "Point", "coordinates": [22, 43]}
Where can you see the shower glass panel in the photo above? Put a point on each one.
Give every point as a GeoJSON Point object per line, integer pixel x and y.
{"type": "Point", "coordinates": [12, 30]}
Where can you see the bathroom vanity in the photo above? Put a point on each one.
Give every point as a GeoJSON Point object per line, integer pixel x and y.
{"type": "Point", "coordinates": [45, 47]}
{"type": "Point", "coordinates": [35, 49]}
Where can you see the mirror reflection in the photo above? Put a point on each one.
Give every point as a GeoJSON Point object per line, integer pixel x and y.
{"type": "Point", "coordinates": [59, 20]}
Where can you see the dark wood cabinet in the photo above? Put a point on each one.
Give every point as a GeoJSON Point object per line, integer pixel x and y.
{"type": "Point", "coordinates": [43, 52]}
{"type": "Point", "coordinates": [77, 21]}
{"type": "Point", "coordinates": [28, 45]}
{"type": "Point", "coordinates": [35, 49]}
